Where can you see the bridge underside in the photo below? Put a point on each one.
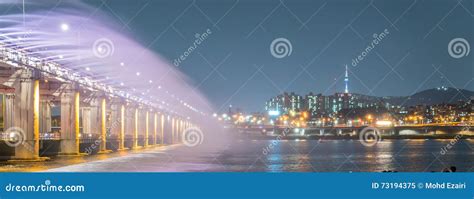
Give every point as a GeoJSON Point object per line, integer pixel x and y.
{"type": "Point", "coordinates": [39, 111]}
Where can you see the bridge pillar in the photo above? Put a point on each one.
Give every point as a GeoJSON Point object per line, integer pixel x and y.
{"type": "Point", "coordinates": [180, 129]}
{"type": "Point", "coordinates": [115, 123]}
{"type": "Point", "coordinates": [135, 129]}
{"type": "Point", "coordinates": [130, 125]}
{"type": "Point", "coordinates": [121, 133]}
{"type": "Point", "coordinates": [22, 115]}
{"type": "Point", "coordinates": [168, 132]}
{"type": "Point", "coordinates": [86, 121]}
{"type": "Point", "coordinates": [183, 128]}
{"type": "Point", "coordinates": [173, 136]}
{"type": "Point", "coordinates": [9, 111]}
{"type": "Point", "coordinates": [147, 128]}
{"type": "Point", "coordinates": [155, 128]}
{"type": "Point", "coordinates": [162, 129]}
{"type": "Point", "coordinates": [177, 130]}
{"type": "Point", "coordinates": [70, 104]}
{"type": "Point", "coordinates": [103, 126]}
{"type": "Point", "coordinates": [141, 127]}
{"type": "Point", "coordinates": [45, 118]}
{"type": "Point", "coordinates": [95, 119]}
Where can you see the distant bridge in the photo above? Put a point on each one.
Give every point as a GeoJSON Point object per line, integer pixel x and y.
{"type": "Point", "coordinates": [431, 129]}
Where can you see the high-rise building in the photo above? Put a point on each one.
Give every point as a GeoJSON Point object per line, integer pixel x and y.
{"type": "Point", "coordinates": [313, 104]}
{"type": "Point", "coordinates": [343, 101]}
{"type": "Point", "coordinates": [296, 102]}
{"type": "Point", "coordinates": [285, 103]}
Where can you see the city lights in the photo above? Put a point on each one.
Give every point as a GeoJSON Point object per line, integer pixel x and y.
{"type": "Point", "coordinates": [274, 113]}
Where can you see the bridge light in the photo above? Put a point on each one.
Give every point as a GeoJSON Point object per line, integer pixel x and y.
{"type": "Point", "coordinates": [383, 123]}
{"type": "Point", "coordinates": [64, 27]}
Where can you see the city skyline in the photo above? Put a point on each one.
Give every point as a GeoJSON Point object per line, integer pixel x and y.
{"type": "Point", "coordinates": [287, 101]}
{"type": "Point", "coordinates": [304, 97]}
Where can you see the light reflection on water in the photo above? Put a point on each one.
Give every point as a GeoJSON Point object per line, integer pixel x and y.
{"type": "Point", "coordinates": [348, 155]}
{"type": "Point", "coordinates": [293, 156]}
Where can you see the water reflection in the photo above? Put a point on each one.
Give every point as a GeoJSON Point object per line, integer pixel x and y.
{"type": "Point", "coordinates": [284, 156]}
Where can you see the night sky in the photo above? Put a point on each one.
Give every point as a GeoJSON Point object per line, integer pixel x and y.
{"type": "Point", "coordinates": [234, 64]}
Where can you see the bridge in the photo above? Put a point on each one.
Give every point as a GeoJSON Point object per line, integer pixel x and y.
{"type": "Point", "coordinates": [94, 117]}
{"type": "Point", "coordinates": [425, 129]}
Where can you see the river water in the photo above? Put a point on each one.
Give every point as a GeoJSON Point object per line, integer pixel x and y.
{"type": "Point", "coordinates": [243, 155]}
